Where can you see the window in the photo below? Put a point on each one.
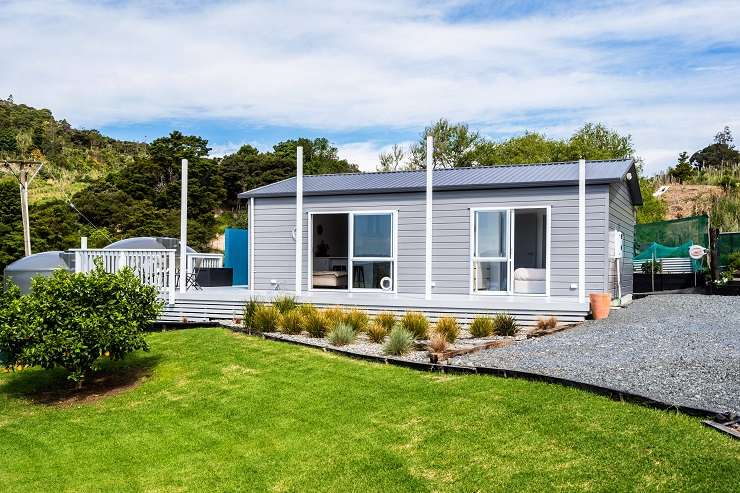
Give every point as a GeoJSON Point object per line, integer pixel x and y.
{"type": "Point", "coordinates": [372, 253]}
{"type": "Point", "coordinates": [491, 251]}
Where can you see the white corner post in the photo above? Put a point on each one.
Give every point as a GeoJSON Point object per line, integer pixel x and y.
{"type": "Point", "coordinates": [428, 243]}
{"type": "Point", "coordinates": [83, 243]}
{"type": "Point", "coordinates": [298, 220]}
{"type": "Point", "coordinates": [251, 246]}
{"type": "Point", "coordinates": [184, 226]}
{"type": "Point", "coordinates": [582, 230]}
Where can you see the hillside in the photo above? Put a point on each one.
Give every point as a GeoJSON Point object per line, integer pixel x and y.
{"type": "Point", "coordinates": [684, 200]}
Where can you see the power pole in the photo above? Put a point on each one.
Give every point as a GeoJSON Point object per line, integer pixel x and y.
{"type": "Point", "coordinates": [24, 172]}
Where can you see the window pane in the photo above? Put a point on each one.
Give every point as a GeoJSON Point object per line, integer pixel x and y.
{"type": "Point", "coordinates": [370, 274]}
{"type": "Point", "coordinates": [491, 231]}
{"type": "Point", "coordinates": [490, 276]}
{"type": "Point", "coordinates": [373, 235]}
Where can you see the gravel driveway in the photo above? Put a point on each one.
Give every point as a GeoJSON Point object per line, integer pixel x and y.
{"type": "Point", "coordinates": [678, 349]}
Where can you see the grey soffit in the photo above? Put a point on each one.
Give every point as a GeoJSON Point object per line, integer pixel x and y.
{"type": "Point", "coordinates": [523, 175]}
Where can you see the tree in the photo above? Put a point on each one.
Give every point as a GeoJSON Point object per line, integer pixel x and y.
{"type": "Point", "coordinates": [653, 208]}
{"type": "Point", "coordinates": [531, 147]}
{"type": "Point", "coordinates": [720, 154]}
{"type": "Point", "coordinates": [391, 160]}
{"type": "Point", "coordinates": [596, 141]}
{"type": "Point", "coordinates": [454, 146]}
{"type": "Point", "coordinates": [683, 170]}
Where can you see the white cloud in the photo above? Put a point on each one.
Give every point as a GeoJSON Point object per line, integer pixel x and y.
{"type": "Point", "coordinates": [358, 65]}
{"type": "Point", "coordinates": [365, 154]}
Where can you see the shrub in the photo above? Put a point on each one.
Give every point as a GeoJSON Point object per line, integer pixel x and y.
{"type": "Point", "coordinates": [504, 324]}
{"type": "Point", "coordinates": [416, 323]}
{"type": "Point", "coordinates": [315, 323]}
{"type": "Point", "coordinates": [376, 332]}
{"type": "Point", "coordinates": [400, 341]}
{"type": "Point", "coordinates": [652, 266]}
{"type": "Point", "coordinates": [341, 335]}
{"type": "Point", "coordinates": [481, 327]}
{"type": "Point", "coordinates": [248, 313]}
{"type": "Point", "coordinates": [291, 322]}
{"type": "Point", "coordinates": [386, 319]}
{"type": "Point", "coordinates": [357, 319]}
{"type": "Point", "coordinates": [266, 319]}
{"type": "Point", "coordinates": [733, 262]}
{"type": "Point", "coordinates": [437, 343]}
{"type": "Point", "coordinates": [546, 323]}
{"type": "Point", "coordinates": [70, 320]}
{"type": "Point", "coordinates": [334, 316]}
{"type": "Point", "coordinates": [447, 327]}
{"type": "Point", "coordinates": [284, 304]}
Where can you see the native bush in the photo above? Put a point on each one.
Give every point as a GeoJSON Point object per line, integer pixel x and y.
{"type": "Point", "coordinates": [481, 327]}
{"type": "Point", "coordinates": [357, 319]}
{"type": "Point", "coordinates": [291, 322]}
{"type": "Point", "coordinates": [437, 343]}
{"type": "Point", "coordinates": [376, 332]}
{"type": "Point", "coordinates": [448, 327]}
{"type": "Point", "coordinates": [386, 319]}
{"type": "Point", "coordinates": [504, 324]}
{"type": "Point", "coordinates": [400, 341]}
{"type": "Point", "coordinates": [416, 323]}
{"type": "Point", "coordinates": [284, 304]}
{"type": "Point", "coordinates": [71, 320]}
{"type": "Point", "coordinates": [248, 313]}
{"type": "Point", "coordinates": [652, 266]}
{"type": "Point", "coordinates": [266, 319]}
{"type": "Point", "coordinates": [334, 316]}
{"type": "Point", "coordinates": [341, 335]}
{"type": "Point", "coordinates": [315, 323]}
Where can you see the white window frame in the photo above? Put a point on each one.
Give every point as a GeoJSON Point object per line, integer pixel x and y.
{"type": "Point", "coordinates": [350, 254]}
{"type": "Point", "coordinates": [510, 225]}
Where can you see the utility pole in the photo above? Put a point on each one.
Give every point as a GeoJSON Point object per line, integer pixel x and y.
{"type": "Point", "coordinates": [24, 172]}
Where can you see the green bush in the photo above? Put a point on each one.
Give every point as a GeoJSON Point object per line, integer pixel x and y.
{"type": "Point", "coordinates": [284, 304]}
{"type": "Point", "coordinates": [386, 319]}
{"type": "Point", "coordinates": [416, 323]}
{"type": "Point", "coordinates": [266, 319]}
{"type": "Point", "coordinates": [650, 266]}
{"type": "Point", "coordinates": [71, 320]}
{"type": "Point", "coordinates": [504, 324]}
{"type": "Point", "coordinates": [733, 262]}
{"type": "Point", "coordinates": [341, 335]}
{"type": "Point", "coordinates": [400, 341]}
{"type": "Point", "coordinates": [481, 327]}
{"type": "Point", "coordinates": [315, 323]}
{"type": "Point", "coordinates": [448, 328]}
{"type": "Point", "coordinates": [357, 319]}
{"type": "Point", "coordinates": [248, 313]}
{"type": "Point", "coordinates": [291, 322]}
{"type": "Point", "coordinates": [376, 332]}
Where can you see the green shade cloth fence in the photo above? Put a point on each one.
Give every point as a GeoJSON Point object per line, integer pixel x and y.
{"type": "Point", "coordinates": [727, 243]}
{"type": "Point", "coordinates": [657, 251]}
{"type": "Point", "coordinates": [675, 233]}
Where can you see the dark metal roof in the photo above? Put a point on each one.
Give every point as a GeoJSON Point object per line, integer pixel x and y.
{"type": "Point", "coordinates": [509, 176]}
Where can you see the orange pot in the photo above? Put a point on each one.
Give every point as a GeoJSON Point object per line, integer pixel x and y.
{"type": "Point", "coordinates": [600, 305]}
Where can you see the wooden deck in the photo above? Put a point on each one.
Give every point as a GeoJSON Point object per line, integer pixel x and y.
{"type": "Point", "coordinates": [215, 304]}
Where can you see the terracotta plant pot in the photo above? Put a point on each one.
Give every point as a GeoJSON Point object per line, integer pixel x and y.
{"type": "Point", "coordinates": [600, 305]}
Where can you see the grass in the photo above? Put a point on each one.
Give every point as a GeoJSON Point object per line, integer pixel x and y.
{"type": "Point", "coordinates": [223, 411]}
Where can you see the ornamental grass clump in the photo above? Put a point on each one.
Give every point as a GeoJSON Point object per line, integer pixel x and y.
{"type": "Point", "coordinates": [341, 335]}
{"type": "Point", "coordinates": [291, 322]}
{"type": "Point", "coordinates": [437, 343]}
{"type": "Point", "coordinates": [448, 328]}
{"type": "Point", "coordinates": [399, 342]}
{"type": "Point", "coordinates": [250, 307]}
{"type": "Point", "coordinates": [315, 323]}
{"type": "Point", "coordinates": [376, 332]}
{"type": "Point", "coordinates": [415, 323]}
{"type": "Point", "coordinates": [334, 316]}
{"type": "Point", "coordinates": [357, 319]}
{"type": "Point", "coordinates": [284, 304]}
{"type": "Point", "coordinates": [481, 327]}
{"type": "Point", "coordinates": [307, 309]}
{"type": "Point", "coordinates": [504, 324]}
{"type": "Point", "coordinates": [546, 323]}
{"type": "Point", "coordinates": [266, 319]}
{"type": "Point", "coordinates": [386, 319]}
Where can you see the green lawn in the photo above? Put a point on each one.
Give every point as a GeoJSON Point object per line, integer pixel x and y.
{"type": "Point", "coordinates": [224, 411]}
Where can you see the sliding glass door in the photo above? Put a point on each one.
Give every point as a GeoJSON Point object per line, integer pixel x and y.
{"type": "Point", "coordinates": [491, 250]}
{"type": "Point", "coordinates": [373, 250]}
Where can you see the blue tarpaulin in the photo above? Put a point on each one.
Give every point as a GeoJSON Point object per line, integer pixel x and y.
{"type": "Point", "coordinates": [236, 254]}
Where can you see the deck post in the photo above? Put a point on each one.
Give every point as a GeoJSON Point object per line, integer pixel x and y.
{"type": "Point", "coordinates": [582, 230]}
{"type": "Point", "coordinates": [298, 220]}
{"type": "Point", "coordinates": [250, 260]}
{"type": "Point", "coordinates": [183, 225]}
{"type": "Point", "coordinates": [428, 229]}
{"type": "Point", "coordinates": [171, 277]}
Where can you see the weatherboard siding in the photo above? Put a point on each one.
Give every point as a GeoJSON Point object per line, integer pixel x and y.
{"type": "Point", "coordinates": [622, 218]}
{"type": "Point", "coordinates": [274, 247]}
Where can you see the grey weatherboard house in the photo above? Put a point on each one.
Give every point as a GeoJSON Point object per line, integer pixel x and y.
{"type": "Point", "coordinates": [503, 239]}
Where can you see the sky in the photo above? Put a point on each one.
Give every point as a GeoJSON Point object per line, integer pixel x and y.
{"type": "Point", "coordinates": [368, 75]}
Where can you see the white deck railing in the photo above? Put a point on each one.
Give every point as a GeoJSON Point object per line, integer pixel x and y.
{"type": "Point", "coordinates": [204, 261]}
{"type": "Point", "coordinates": [153, 267]}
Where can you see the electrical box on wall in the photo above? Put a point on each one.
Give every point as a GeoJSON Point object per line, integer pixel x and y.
{"type": "Point", "coordinates": [616, 244]}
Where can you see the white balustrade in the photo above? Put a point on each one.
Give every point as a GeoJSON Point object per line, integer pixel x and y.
{"type": "Point", "coordinates": [204, 261]}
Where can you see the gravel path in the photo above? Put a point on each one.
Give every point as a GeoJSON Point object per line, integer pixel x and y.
{"type": "Point", "coordinates": [679, 349]}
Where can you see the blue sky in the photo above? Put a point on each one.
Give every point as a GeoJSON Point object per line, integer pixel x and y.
{"type": "Point", "coordinates": [369, 75]}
